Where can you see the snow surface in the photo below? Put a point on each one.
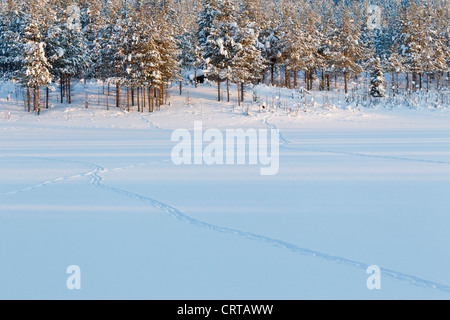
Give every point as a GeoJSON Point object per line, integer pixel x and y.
{"type": "Point", "coordinates": [97, 189]}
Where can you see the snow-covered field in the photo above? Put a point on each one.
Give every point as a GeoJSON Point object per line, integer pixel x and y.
{"type": "Point", "coordinates": [97, 189]}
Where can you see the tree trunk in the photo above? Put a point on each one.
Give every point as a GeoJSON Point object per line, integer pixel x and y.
{"type": "Point", "coordinates": [393, 84]}
{"type": "Point", "coordinates": [218, 88]}
{"type": "Point", "coordinates": [153, 97]}
{"type": "Point", "coordinates": [149, 97]}
{"type": "Point", "coordinates": [34, 99]}
{"type": "Point", "coordinates": [286, 77]}
{"type": "Point", "coordinates": [181, 88]}
{"type": "Point", "coordinates": [239, 93]}
{"type": "Point", "coordinates": [70, 90]}
{"type": "Point", "coordinates": [158, 96]}
{"type": "Point", "coordinates": [139, 99]}
{"type": "Point", "coordinates": [161, 97]}
{"type": "Point", "coordinates": [228, 90]}
{"type": "Point", "coordinates": [195, 77]}
{"type": "Point", "coordinates": [128, 99]}
{"type": "Point", "coordinates": [346, 82]}
{"type": "Point", "coordinates": [143, 100]}
{"type": "Point", "coordinates": [38, 100]}
{"type": "Point", "coordinates": [166, 94]}
{"type": "Point", "coordinates": [438, 78]}
{"type": "Point", "coordinates": [295, 78]}
{"type": "Point", "coordinates": [272, 73]}
{"type": "Point", "coordinates": [242, 92]}
{"type": "Point", "coordinates": [47, 95]}
{"type": "Point", "coordinates": [28, 99]}
{"type": "Point", "coordinates": [407, 81]}
{"type": "Point", "coordinates": [117, 95]}
{"type": "Point", "coordinates": [306, 79]}
{"type": "Point", "coordinates": [322, 81]}
{"type": "Point", "coordinates": [61, 80]}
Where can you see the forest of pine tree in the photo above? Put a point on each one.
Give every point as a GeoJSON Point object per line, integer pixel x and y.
{"type": "Point", "coordinates": [139, 47]}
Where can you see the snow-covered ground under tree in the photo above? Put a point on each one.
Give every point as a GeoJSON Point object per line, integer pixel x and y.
{"type": "Point", "coordinates": [96, 188]}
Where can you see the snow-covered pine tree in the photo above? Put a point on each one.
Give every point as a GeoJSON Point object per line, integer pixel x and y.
{"type": "Point", "coordinates": [4, 45]}
{"type": "Point", "coordinates": [164, 32]}
{"type": "Point", "coordinates": [312, 60]}
{"type": "Point", "coordinates": [220, 42]}
{"type": "Point", "coordinates": [437, 17]}
{"type": "Point", "coordinates": [349, 51]}
{"type": "Point", "coordinates": [198, 60]}
{"type": "Point", "coordinates": [150, 58]}
{"type": "Point", "coordinates": [5, 42]}
{"type": "Point", "coordinates": [369, 36]}
{"type": "Point", "coordinates": [442, 39]}
{"type": "Point", "coordinates": [67, 48]}
{"type": "Point", "coordinates": [106, 46]}
{"type": "Point", "coordinates": [395, 65]}
{"type": "Point", "coordinates": [328, 40]}
{"type": "Point", "coordinates": [205, 20]}
{"type": "Point", "coordinates": [35, 67]}
{"type": "Point", "coordinates": [292, 50]}
{"type": "Point", "coordinates": [271, 33]}
{"type": "Point", "coordinates": [11, 30]}
{"type": "Point", "coordinates": [247, 62]}
{"type": "Point", "coordinates": [377, 80]}
{"type": "Point", "coordinates": [413, 41]}
{"type": "Point", "coordinates": [386, 38]}
{"type": "Point", "coordinates": [101, 55]}
{"type": "Point", "coordinates": [185, 20]}
{"type": "Point", "coordinates": [292, 40]}
{"type": "Point", "coordinates": [91, 16]}
{"type": "Point", "coordinates": [187, 48]}
{"type": "Point", "coordinates": [129, 53]}
{"type": "Point", "coordinates": [168, 52]}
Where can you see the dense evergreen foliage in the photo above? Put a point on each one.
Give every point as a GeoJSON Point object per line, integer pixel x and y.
{"type": "Point", "coordinates": [146, 44]}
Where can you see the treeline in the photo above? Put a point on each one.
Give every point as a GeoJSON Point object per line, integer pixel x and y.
{"type": "Point", "coordinates": [140, 46]}
{"type": "Point", "coordinates": [130, 44]}
{"type": "Point", "coordinates": [251, 40]}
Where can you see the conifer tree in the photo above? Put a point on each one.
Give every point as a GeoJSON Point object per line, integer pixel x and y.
{"type": "Point", "coordinates": [67, 48]}
{"type": "Point", "coordinates": [377, 80]}
{"type": "Point", "coordinates": [248, 62]}
{"type": "Point", "coordinates": [220, 42]}
{"type": "Point", "coordinates": [34, 73]}
{"type": "Point", "coordinates": [349, 51]}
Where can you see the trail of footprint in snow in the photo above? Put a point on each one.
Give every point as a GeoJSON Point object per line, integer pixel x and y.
{"type": "Point", "coordinates": [97, 181]}
{"type": "Point", "coordinates": [67, 178]}
{"type": "Point", "coordinates": [289, 144]}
